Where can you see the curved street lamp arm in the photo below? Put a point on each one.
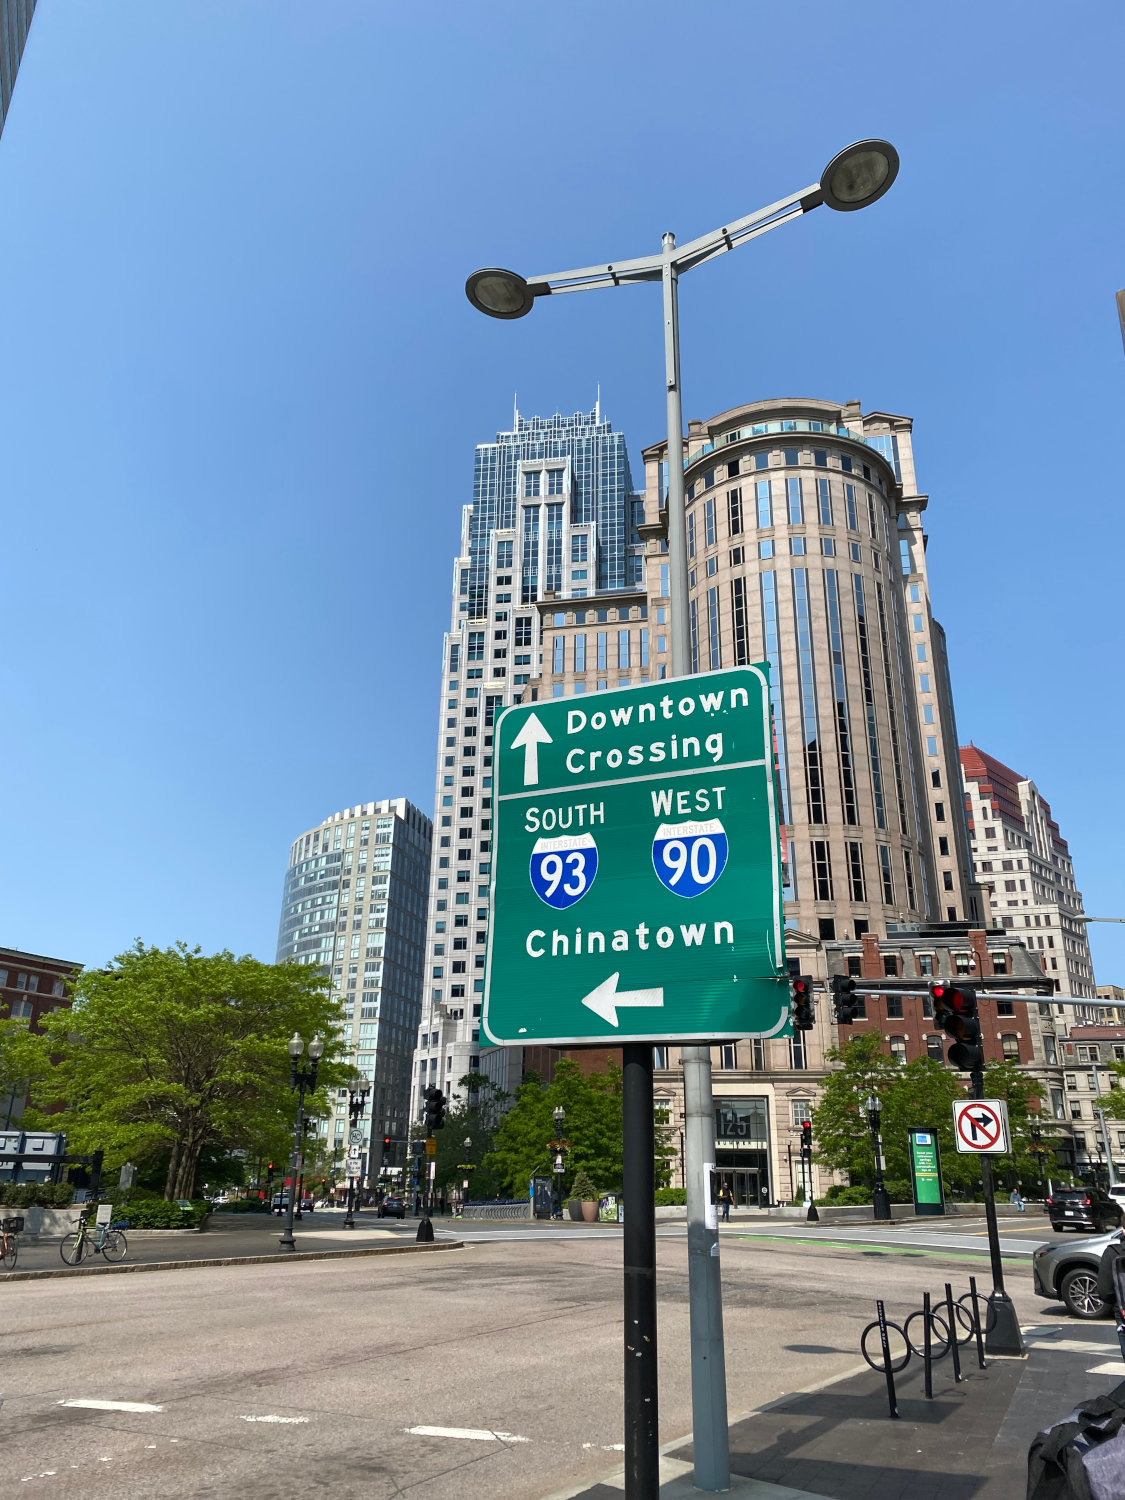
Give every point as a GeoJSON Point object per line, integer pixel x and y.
{"type": "Point", "coordinates": [694, 253]}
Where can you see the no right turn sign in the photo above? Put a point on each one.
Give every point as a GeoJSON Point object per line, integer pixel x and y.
{"type": "Point", "coordinates": [980, 1127]}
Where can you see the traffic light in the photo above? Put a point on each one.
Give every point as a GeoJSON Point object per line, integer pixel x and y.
{"type": "Point", "coordinates": [800, 989]}
{"type": "Point", "coordinates": [955, 1011]}
{"type": "Point", "coordinates": [806, 1135]}
{"type": "Point", "coordinates": [844, 998]}
{"type": "Point", "coordinates": [435, 1108]}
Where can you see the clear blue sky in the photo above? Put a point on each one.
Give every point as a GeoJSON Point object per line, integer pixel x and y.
{"type": "Point", "coordinates": [240, 384]}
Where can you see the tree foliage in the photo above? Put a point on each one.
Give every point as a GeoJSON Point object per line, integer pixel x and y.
{"type": "Point", "coordinates": [25, 1060]}
{"type": "Point", "coordinates": [169, 1052]}
{"type": "Point", "coordinates": [593, 1129]}
{"type": "Point", "coordinates": [918, 1095]}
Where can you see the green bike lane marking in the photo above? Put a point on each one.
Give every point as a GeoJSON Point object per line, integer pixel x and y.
{"type": "Point", "coordinates": [870, 1249]}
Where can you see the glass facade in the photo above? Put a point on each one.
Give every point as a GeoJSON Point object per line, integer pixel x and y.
{"type": "Point", "coordinates": [354, 905]}
{"type": "Point", "coordinates": [15, 19]}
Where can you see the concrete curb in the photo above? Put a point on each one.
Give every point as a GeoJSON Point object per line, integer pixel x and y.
{"type": "Point", "coordinates": [231, 1260]}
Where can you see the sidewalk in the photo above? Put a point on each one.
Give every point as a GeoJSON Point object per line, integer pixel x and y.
{"type": "Point", "coordinates": [969, 1443]}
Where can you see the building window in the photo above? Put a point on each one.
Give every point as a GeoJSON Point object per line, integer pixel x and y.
{"type": "Point", "coordinates": [660, 1057]}
{"type": "Point", "coordinates": [858, 889]}
{"type": "Point", "coordinates": [898, 1050]}
{"type": "Point", "coordinates": [709, 521]}
{"type": "Point", "coordinates": [885, 871]}
{"type": "Point", "coordinates": [890, 965]}
{"type": "Point", "coordinates": [734, 512]}
{"type": "Point", "coordinates": [713, 638]}
{"type": "Point", "coordinates": [531, 483]}
{"type": "Point", "coordinates": [925, 964]}
{"type": "Point", "coordinates": [894, 1007]}
{"type": "Point", "coordinates": [822, 869]}
{"type": "Point", "coordinates": [738, 621]}
{"type": "Point", "coordinates": [797, 1054]}
{"type": "Point", "coordinates": [824, 502]}
{"type": "Point", "coordinates": [764, 502]}
{"type": "Point", "coordinates": [794, 501]}
{"type": "Point", "coordinates": [728, 1056]}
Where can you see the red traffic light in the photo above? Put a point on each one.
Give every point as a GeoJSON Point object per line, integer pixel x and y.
{"type": "Point", "coordinates": [801, 986]}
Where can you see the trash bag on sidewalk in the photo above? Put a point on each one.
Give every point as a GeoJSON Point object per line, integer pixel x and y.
{"type": "Point", "coordinates": [1083, 1456]}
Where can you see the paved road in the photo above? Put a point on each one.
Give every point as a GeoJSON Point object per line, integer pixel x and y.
{"type": "Point", "coordinates": [328, 1377]}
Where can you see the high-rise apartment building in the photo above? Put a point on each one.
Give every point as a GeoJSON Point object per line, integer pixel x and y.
{"type": "Point", "coordinates": [355, 906]}
{"type": "Point", "coordinates": [1024, 864]}
{"type": "Point", "coordinates": [553, 517]}
{"type": "Point", "coordinates": [15, 20]}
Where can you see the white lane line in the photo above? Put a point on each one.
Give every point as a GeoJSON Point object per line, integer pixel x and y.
{"type": "Point", "coordinates": [606, 1447]}
{"type": "Point", "coordinates": [272, 1417]}
{"type": "Point", "coordinates": [473, 1434]}
{"type": "Point", "coordinates": [113, 1405]}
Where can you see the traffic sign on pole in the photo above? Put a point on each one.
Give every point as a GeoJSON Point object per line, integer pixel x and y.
{"type": "Point", "coordinates": [980, 1127]}
{"type": "Point", "coordinates": [636, 875]}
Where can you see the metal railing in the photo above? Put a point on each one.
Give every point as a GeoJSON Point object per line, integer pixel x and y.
{"type": "Point", "coordinates": [510, 1208]}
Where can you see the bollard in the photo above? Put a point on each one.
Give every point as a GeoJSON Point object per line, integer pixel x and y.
{"type": "Point", "coordinates": [927, 1353]}
{"type": "Point", "coordinates": [976, 1321]}
{"type": "Point", "coordinates": [891, 1402]}
{"type": "Point", "coordinates": [952, 1316]}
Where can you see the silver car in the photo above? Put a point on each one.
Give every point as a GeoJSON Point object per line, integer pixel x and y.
{"type": "Point", "coordinates": [1078, 1273]}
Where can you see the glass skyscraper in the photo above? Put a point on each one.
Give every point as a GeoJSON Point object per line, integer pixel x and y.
{"type": "Point", "coordinates": [15, 20]}
{"type": "Point", "coordinates": [355, 907]}
{"type": "Point", "coordinates": [553, 516]}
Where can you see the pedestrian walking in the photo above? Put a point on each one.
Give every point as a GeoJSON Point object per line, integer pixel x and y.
{"type": "Point", "coordinates": [726, 1198]}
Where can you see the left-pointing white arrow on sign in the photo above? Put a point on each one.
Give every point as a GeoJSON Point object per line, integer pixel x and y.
{"type": "Point", "coordinates": [605, 1001]}
{"type": "Point", "coordinates": [530, 737]}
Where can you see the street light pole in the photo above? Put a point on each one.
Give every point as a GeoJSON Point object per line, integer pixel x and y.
{"type": "Point", "coordinates": [881, 1202]}
{"type": "Point", "coordinates": [358, 1089]}
{"type": "Point", "coordinates": [300, 1078]}
{"type": "Point", "coordinates": [854, 178]}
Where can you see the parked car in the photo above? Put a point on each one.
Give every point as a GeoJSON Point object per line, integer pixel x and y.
{"type": "Point", "coordinates": [1117, 1193]}
{"type": "Point", "coordinates": [392, 1208]}
{"type": "Point", "coordinates": [1078, 1274]}
{"type": "Point", "coordinates": [1083, 1208]}
{"type": "Point", "coordinates": [280, 1202]}
{"type": "Point", "coordinates": [306, 1205]}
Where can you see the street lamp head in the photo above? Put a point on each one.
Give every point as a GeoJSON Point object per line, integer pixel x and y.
{"type": "Point", "coordinates": [296, 1046]}
{"type": "Point", "coordinates": [560, 1115]}
{"type": "Point", "coordinates": [873, 1106]}
{"type": "Point", "coordinates": [467, 1142]}
{"type": "Point", "coordinates": [500, 294]}
{"type": "Point", "coordinates": [859, 175]}
{"type": "Point", "coordinates": [316, 1048]}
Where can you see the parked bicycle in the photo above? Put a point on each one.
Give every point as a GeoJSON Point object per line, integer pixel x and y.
{"type": "Point", "coordinates": [104, 1239]}
{"type": "Point", "coordinates": [10, 1230]}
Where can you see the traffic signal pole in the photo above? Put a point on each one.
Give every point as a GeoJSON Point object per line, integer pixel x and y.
{"type": "Point", "coordinates": [1004, 1336]}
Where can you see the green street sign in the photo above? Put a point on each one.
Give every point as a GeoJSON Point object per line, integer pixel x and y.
{"type": "Point", "coordinates": [636, 873]}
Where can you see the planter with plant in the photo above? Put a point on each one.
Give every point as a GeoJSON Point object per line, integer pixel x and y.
{"type": "Point", "coordinates": [586, 1193]}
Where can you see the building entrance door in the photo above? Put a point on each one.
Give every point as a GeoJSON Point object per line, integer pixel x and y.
{"type": "Point", "coordinates": [745, 1185]}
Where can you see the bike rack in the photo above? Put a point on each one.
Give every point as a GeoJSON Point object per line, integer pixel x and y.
{"type": "Point", "coordinates": [949, 1325]}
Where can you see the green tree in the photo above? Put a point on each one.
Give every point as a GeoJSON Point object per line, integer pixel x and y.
{"type": "Point", "coordinates": [474, 1120]}
{"type": "Point", "coordinates": [25, 1060]}
{"type": "Point", "coordinates": [170, 1051]}
{"type": "Point", "coordinates": [840, 1133]}
{"type": "Point", "coordinates": [593, 1128]}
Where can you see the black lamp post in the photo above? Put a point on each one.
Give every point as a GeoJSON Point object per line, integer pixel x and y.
{"type": "Point", "coordinates": [1038, 1150]}
{"type": "Point", "coordinates": [300, 1078]}
{"type": "Point", "coordinates": [557, 1146]}
{"type": "Point", "coordinates": [358, 1090]}
{"type": "Point", "coordinates": [882, 1204]}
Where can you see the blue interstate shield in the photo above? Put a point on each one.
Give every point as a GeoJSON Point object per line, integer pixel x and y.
{"type": "Point", "coordinates": [689, 857]}
{"type": "Point", "coordinates": [563, 869]}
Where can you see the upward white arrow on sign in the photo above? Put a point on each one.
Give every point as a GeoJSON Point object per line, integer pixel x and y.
{"type": "Point", "coordinates": [605, 1000]}
{"type": "Point", "coordinates": [530, 737]}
